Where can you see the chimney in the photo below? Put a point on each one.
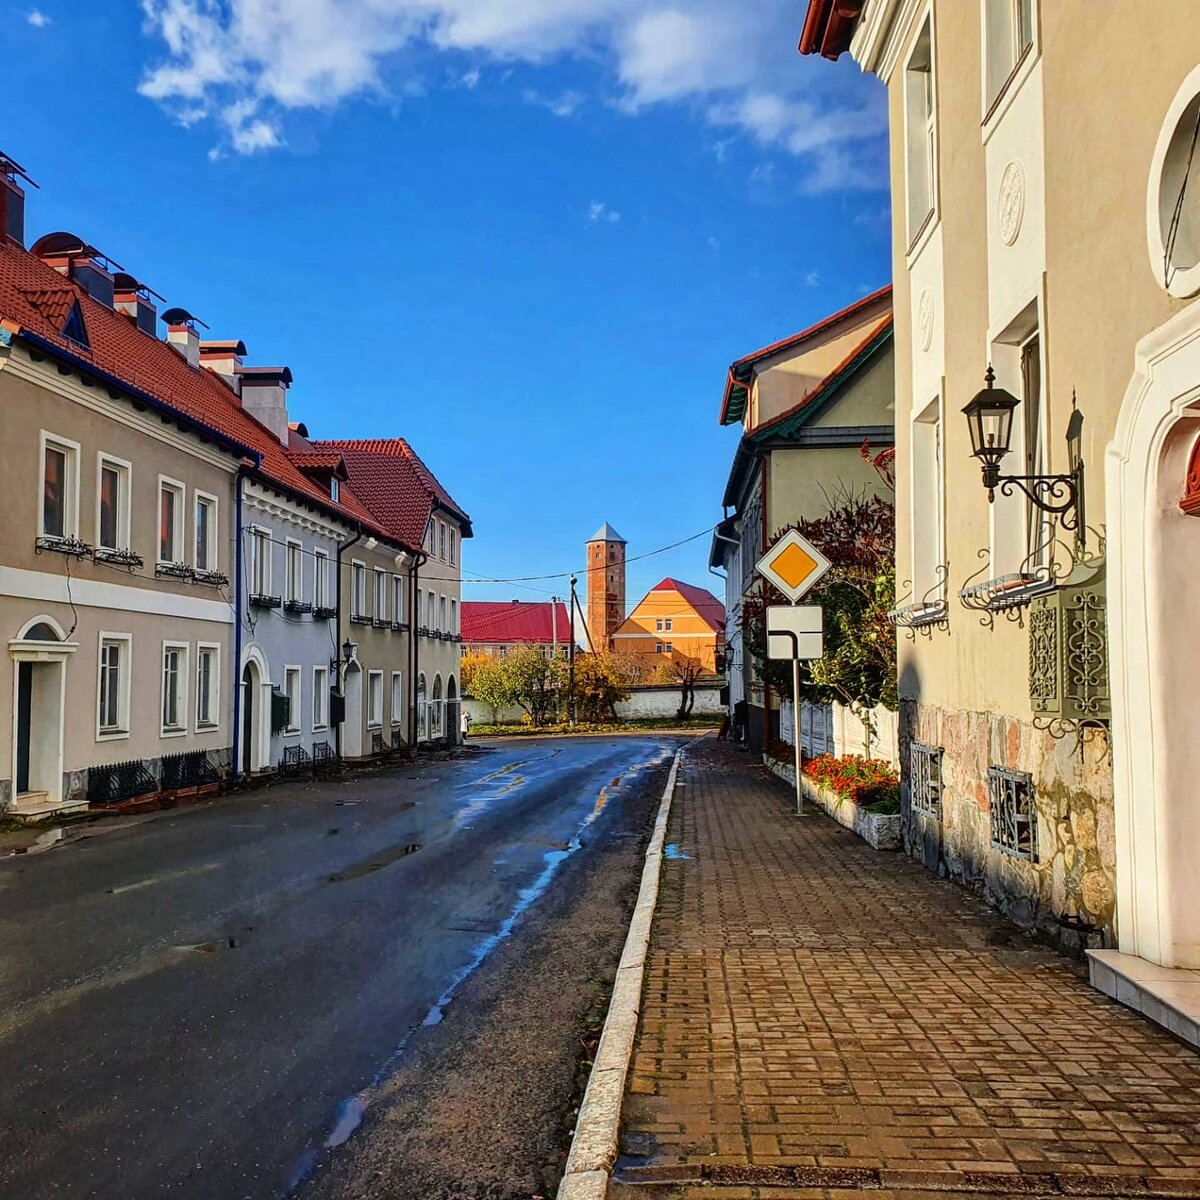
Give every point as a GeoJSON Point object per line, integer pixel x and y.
{"type": "Point", "coordinates": [70, 255]}
{"type": "Point", "coordinates": [183, 335]}
{"type": "Point", "coordinates": [224, 359]}
{"type": "Point", "coordinates": [12, 200]}
{"type": "Point", "coordinates": [264, 397]}
{"type": "Point", "coordinates": [134, 298]}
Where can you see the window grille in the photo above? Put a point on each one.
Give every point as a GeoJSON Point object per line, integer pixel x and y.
{"type": "Point", "coordinates": [925, 776]}
{"type": "Point", "coordinates": [1013, 804]}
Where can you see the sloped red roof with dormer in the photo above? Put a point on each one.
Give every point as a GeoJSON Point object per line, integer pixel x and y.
{"type": "Point", "coordinates": [514, 621]}
{"type": "Point", "coordinates": [35, 302]}
{"type": "Point", "coordinates": [705, 604]}
{"type": "Point", "coordinates": [395, 485]}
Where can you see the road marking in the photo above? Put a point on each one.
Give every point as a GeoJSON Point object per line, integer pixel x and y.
{"type": "Point", "coordinates": [203, 869]}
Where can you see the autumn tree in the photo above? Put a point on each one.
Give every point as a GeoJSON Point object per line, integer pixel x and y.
{"type": "Point", "coordinates": [601, 682]}
{"type": "Point", "coordinates": [682, 671]}
{"type": "Point", "coordinates": [534, 680]}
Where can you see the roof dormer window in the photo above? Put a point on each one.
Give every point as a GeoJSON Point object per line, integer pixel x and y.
{"type": "Point", "coordinates": [335, 489]}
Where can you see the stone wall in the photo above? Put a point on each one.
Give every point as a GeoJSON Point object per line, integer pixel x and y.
{"type": "Point", "coordinates": [1073, 879]}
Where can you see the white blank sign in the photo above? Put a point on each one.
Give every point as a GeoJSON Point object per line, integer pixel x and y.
{"type": "Point", "coordinates": [795, 631]}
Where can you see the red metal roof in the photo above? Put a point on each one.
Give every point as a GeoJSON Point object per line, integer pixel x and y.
{"type": "Point", "coordinates": [34, 300]}
{"type": "Point", "coordinates": [829, 27]}
{"type": "Point", "coordinates": [514, 621]}
{"type": "Point", "coordinates": [394, 484]}
{"type": "Point", "coordinates": [706, 605]}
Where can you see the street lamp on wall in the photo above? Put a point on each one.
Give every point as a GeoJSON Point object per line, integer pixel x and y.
{"type": "Point", "coordinates": [349, 654]}
{"type": "Point", "coordinates": [990, 421]}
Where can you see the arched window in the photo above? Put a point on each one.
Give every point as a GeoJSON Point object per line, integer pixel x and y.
{"type": "Point", "coordinates": [435, 709]}
{"type": "Point", "coordinates": [422, 709]}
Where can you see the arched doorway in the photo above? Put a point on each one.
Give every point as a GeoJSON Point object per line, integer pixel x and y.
{"type": "Point", "coordinates": [253, 713]}
{"type": "Point", "coordinates": [40, 652]}
{"type": "Point", "coordinates": [422, 709]}
{"type": "Point", "coordinates": [453, 720]}
{"type": "Point", "coordinates": [352, 727]}
{"type": "Point", "coordinates": [1154, 647]}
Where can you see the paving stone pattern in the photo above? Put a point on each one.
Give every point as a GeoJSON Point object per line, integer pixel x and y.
{"type": "Point", "coordinates": [821, 1018]}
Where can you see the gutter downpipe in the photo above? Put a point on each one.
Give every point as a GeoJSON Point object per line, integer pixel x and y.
{"type": "Point", "coordinates": [342, 546]}
{"type": "Point", "coordinates": [235, 766]}
{"type": "Point", "coordinates": [420, 558]}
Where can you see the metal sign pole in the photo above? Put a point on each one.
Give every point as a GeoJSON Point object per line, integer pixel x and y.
{"type": "Point", "coordinates": [796, 732]}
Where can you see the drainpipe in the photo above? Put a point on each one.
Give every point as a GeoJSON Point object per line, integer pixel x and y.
{"type": "Point", "coordinates": [243, 472]}
{"type": "Point", "coordinates": [342, 547]}
{"type": "Point", "coordinates": [419, 560]}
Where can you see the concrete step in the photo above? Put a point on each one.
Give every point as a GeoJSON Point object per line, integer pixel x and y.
{"type": "Point", "coordinates": [1169, 996]}
{"type": "Point", "coordinates": [30, 807]}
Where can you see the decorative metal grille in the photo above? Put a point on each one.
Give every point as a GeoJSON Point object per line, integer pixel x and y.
{"type": "Point", "coordinates": [324, 758]}
{"type": "Point", "coordinates": [114, 782]}
{"type": "Point", "coordinates": [1013, 805]}
{"type": "Point", "coordinates": [192, 769]}
{"type": "Point", "coordinates": [925, 779]}
{"type": "Point", "coordinates": [378, 746]}
{"type": "Point", "coordinates": [1043, 659]}
{"type": "Point", "coordinates": [296, 761]}
{"type": "Point", "coordinates": [1086, 653]}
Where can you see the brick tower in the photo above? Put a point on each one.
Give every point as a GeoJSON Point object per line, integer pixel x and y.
{"type": "Point", "coordinates": [605, 585]}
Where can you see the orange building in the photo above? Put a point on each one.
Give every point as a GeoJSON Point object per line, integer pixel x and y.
{"type": "Point", "coordinates": [675, 623]}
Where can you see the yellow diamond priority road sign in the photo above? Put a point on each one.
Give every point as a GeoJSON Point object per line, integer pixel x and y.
{"type": "Point", "coordinates": [793, 565]}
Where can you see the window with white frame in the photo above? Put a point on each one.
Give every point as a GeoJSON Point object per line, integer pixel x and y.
{"type": "Point", "coordinates": [431, 621]}
{"type": "Point", "coordinates": [669, 648]}
{"type": "Point", "coordinates": [381, 595]}
{"type": "Point", "coordinates": [112, 504]}
{"type": "Point", "coordinates": [658, 625]}
{"type": "Point", "coordinates": [291, 689]}
{"type": "Point", "coordinates": [320, 701]}
{"type": "Point", "coordinates": [419, 610]}
{"type": "Point", "coordinates": [1021, 535]}
{"type": "Point", "coordinates": [454, 628]}
{"type": "Point", "coordinates": [928, 504]}
{"type": "Point", "coordinates": [453, 547]}
{"type": "Point", "coordinates": [430, 543]}
{"type": "Point", "coordinates": [920, 130]}
{"type": "Point", "coordinates": [112, 687]}
{"type": "Point", "coordinates": [208, 665]}
{"type": "Point", "coordinates": [335, 489]}
{"type": "Point", "coordinates": [375, 699]}
{"type": "Point", "coordinates": [295, 571]}
{"type": "Point", "coordinates": [1008, 38]}
{"type": "Point", "coordinates": [60, 488]}
{"type": "Point", "coordinates": [443, 614]}
{"type": "Point", "coordinates": [397, 698]}
{"type": "Point", "coordinates": [658, 647]}
{"type": "Point", "coordinates": [205, 533]}
{"type": "Point", "coordinates": [668, 625]}
{"type": "Point", "coordinates": [397, 598]}
{"type": "Point", "coordinates": [358, 590]}
{"type": "Point", "coordinates": [260, 562]}
{"type": "Point", "coordinates": [442, 540]}
{"type": "Point", "coordinates": [170, 521]}
{"type": "Point", "coordinates": [174, 688]}
{"type": "Point", "coordinates": [321, 579]}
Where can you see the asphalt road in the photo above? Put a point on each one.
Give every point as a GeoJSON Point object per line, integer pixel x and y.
{"type": "Point", "coordinates": [203, 1004]}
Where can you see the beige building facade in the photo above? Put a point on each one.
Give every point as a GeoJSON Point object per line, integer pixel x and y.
{"type": "Point", "coordinates": [1045, 200]}
{"type": "Point", "coordinates": [117, 613]}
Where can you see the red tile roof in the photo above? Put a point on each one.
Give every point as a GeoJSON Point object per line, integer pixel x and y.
{"type": "Point", "coordinates": [395, 485]}
{"type": "Point", "coordinates": [706, 605]}
{"type": "Point", "coordinates": [34, 296]}
{"type": "Point", "coordinates": [515, 621]}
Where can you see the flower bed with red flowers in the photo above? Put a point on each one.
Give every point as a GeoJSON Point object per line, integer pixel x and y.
{"type": "Point", "coordinates": [868, 782]}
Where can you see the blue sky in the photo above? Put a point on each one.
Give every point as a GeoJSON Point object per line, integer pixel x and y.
{"type": "Point", "coordinates": [528, 235]}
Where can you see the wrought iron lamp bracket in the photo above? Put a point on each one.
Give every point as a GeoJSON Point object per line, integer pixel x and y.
{"type": "Point", "coordinates": [1057, 494]}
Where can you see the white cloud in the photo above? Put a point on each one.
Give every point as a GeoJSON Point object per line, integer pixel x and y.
{"type": "Point", "coordinates": [565, 104]}
{"type": "Point", "coordinates": [812, 278]}
{"type": "Point", "coordinates": [254, 64]}
{"type": "Point", "coordinates": [599, 211]}
{"type": "Point", "coordinates": [37, 18]}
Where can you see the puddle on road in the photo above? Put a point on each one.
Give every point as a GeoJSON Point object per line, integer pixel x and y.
{"type": "Point", "coordinates": [351, 1111]}
{"type": "Point", "coordinates": [377, 863]}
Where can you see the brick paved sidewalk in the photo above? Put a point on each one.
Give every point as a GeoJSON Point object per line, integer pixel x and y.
{"type": "Point", "coordinates": [820, 1018]}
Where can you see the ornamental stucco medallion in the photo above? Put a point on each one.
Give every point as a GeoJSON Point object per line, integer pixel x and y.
{"type": "Point", "coordinates": [1012, 202]}
{"type": "Point", "coordinates": [925, 319]}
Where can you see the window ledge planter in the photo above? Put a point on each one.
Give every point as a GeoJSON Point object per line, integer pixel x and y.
{"type": "Point", "coordinates": [258, 600]}
{"type": "Point", "coordinates": [117, 558]}
{"type": "Point", "coordinates": [359, 619]}
{"type": "Point", "coordinates": [879, 830]}
{"type": "Point", "coordinates": [324, 613]}
{"type": "Point", "coordinates": [173, 570]}
{"type": "Point", "coordinates": [62, 545]}
{"type": "Point", "coordinates": [300, 607]}
{"type": "Point", "coordinates": [211, 578]}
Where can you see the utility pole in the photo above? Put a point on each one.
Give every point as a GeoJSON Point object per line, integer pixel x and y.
{"type": "Point", "coordinates": [571, 659]}
{"type": "Point", "coordinates": [554, 658]}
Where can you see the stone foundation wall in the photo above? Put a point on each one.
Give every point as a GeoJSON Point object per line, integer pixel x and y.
{"type": "Point", "coordinates": [1074, 878]}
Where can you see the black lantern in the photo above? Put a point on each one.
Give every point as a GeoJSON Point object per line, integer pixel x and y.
{"type": "Point", "coordinates": [347, 650]}
{"type": "Point", "coordinates": [990, 418]}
